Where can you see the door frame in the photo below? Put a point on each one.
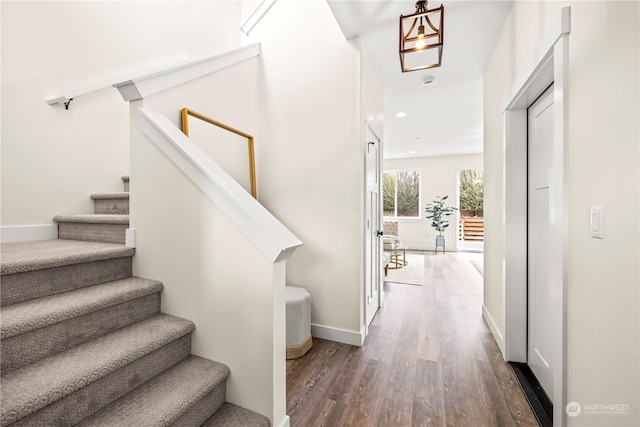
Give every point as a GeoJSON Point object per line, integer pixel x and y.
{"type": "Point", "coordinates": [550, 65]}
{"type": "Point", "coordinates": [373, 126]}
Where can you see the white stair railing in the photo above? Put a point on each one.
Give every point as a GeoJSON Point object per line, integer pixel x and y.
{"type": "Point", "coordinates": [261, 227]}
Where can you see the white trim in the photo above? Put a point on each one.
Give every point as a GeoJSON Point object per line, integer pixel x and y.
{"type": "Point", "coordinates": [550, 65]}
{"type": "Point", "coordinates": [376, 240]}
{"type": "Point", "coordinates": [494, 329]}
{"type": "Point", "coordinates": [130, 238]}
{"type": "Point", "coordinates": [151, 83]}
{"type": "Point", "coordinates": [28, 233]}
{"type": "Point", "coordinates": [286, 422]}
{"type": "Point", "coordinates": [260, 226]}
{"type": "Point", "coordinates": [521, 90]}
{"type": "Point", "coordinates": [515, 233]}
{"type": "Point", "coordinates": [74, 94]}
{"type": "Point", "coordinates": [139, 85]}
{"type": "Point", "coordinates": [257, 15]}
{"type": "Point", "coordinates": [375, 128]}
{"type": "Point", "coordinates": [338, 335]}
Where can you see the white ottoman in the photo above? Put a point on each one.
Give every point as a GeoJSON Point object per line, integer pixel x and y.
{"type": "Point", "coordinates": [298, 322]}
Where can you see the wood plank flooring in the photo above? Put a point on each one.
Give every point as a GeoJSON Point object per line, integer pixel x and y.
{"type": "Point", "coordinates": [429, 360]}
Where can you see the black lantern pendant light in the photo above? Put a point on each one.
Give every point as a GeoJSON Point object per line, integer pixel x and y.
{"type": "Point", "coordinates": [421, 45]}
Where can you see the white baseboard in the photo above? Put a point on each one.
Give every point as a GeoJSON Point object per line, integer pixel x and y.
{"type": "Point", "coordinates": [286, 422]}
{"type": "Point", "coordinates": [27, 233]}
{"type": "Point", "coordinates": [494, 330]}
{"type": "Point", "coordinates": [430, 248]}
{"type": "Point", "coordinates": [338, 335]}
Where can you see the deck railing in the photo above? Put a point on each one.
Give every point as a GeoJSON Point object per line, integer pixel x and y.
{"type": "Point", "coordinates": [471, 229]}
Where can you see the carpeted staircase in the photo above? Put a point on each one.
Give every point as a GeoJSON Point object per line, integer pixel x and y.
{"type": "Point", "coordinates": [84, 342]}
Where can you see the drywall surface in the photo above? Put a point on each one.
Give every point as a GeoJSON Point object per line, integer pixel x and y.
{"type": "Point", "coordinates": [438, 177]}
{"type": "Point", "coordinates": [212, 273]}
{"type": "Point", "coordinates": [52, 158]}
{"type": "Point", "coordinates": [311, 156]}
{"type": "Point", "coordinates": [603, 313]}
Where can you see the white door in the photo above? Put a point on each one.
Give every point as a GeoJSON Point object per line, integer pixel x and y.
{"type": "Point", "coordinates": [373, 293]}
{"type": "Point", "coordinates": [540, 146]}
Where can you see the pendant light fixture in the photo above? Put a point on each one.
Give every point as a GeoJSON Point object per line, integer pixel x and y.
{"type": "Point", "coordinates": [421, 40]}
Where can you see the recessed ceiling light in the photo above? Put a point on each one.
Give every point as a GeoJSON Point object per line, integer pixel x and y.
{"type": "Point", "coordinates": [412, 152]}
{"type": "Point", "coordinates": [401, 114]}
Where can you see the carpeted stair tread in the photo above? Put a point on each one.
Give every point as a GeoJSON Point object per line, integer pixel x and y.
{"type": "Point", "coordinates": [35, 386]}
{"type": "Point", "coordinates": [231, 415]}
{"type": "Point", "coordinates": [108, 196]}
{"type": "Point", "coordinates": [165, 398]}
{"type": "Point", "coordinates": [39, 313]}
{"type": "Point", "coordinates": [93, 218]}
{"type": "Point", "coordinates": [21, 257]}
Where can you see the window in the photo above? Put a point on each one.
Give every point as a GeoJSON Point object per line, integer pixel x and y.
{"type": "Point", "coordinates": [401, 194]}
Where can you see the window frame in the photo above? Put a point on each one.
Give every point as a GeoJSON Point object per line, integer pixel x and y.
{"type": "Point", "coordinates": [395, 203]}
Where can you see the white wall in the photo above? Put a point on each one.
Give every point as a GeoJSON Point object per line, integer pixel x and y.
{"type": "Point", "coordinates": [212, 272]}
{"type": "Point", "coordinates": [438, 177]}
{"type": "Point", "coordinates": [603, 314]}
{"type": "Point", "coordinates": [53, 159]}
{"type": "Point", "coordinates": [311, 157]}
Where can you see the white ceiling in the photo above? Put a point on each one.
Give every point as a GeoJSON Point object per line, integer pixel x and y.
{"type": "Point", "coordinates": [443, 118]}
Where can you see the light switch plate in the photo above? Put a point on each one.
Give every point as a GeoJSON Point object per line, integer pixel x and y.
{"type": "Point", "coordinates": [597, 222]}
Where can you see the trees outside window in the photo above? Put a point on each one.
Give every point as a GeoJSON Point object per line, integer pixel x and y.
{"type": "Point", "coordinates": [472, 191]}
{"type": "Point", "coordinates": [471, 205]}
{"type": "Point", "coordinates": [401, 194]}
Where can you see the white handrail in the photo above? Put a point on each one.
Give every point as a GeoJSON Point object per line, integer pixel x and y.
{"type": "Point", "coordinates": [68, 97]}
{"type": "Point", "coordinates": [139, 85]}
{"type": "Point", "coordinates": [260, 226]}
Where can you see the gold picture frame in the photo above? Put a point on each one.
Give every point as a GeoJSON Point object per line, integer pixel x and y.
{"type": "Point", "coordinates": [186, 112]}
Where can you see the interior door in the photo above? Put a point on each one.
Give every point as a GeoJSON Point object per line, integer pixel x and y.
{"type": "Point", "coordinates": [540, 146]}
{"type": "Point", "coordinates": [373, 293]}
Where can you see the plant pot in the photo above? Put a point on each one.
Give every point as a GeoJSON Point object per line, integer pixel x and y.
{"type": "Point", "coordinates": [440, 243]}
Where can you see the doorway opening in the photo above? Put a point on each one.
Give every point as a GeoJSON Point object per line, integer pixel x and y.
{"type": "Point", "coordinates": [551, 66]}
{"type": "Point", "coordinates": [471, 203]}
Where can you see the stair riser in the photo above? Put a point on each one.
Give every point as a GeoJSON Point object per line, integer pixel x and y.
{"type": "Point", "coordinates": [85, 402]}
{"type": "Point", "coordinates": [104, 233]}
{"type": "Point", "coordinates": [40, 283]}
{"type": "Point", "coordinates": [205, 408]}
{"type": "Point", "coordinates": [21, 350]}
{"type": "Point", "coordinates": [111, 206]}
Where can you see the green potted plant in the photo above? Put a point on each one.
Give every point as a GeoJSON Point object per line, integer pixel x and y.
{"type": "Point", "coordinates": [436, 212]}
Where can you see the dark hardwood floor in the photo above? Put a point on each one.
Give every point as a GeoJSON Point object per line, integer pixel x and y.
{"type": "Point", "coordinates": [429, 360]}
